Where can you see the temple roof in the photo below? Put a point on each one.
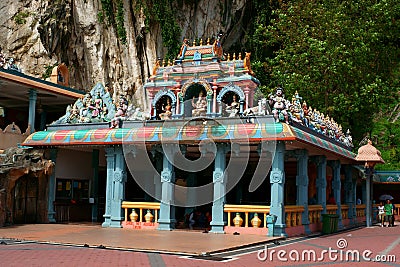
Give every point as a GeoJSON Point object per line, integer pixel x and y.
{"type": "Point", "coordinates": [205, 62]}
{"type": "Point", "coordinates": [192, 133]}
{"type": "Point", "coordinates": [369, 153]}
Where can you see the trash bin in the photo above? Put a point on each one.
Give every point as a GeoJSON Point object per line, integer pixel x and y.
{"type": "Point", "coordinates": [329, 223]}
{"type": "Point", "coordinates": [271, 219]}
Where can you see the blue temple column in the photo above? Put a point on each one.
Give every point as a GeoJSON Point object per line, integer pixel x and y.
{"type": "Point", "coordinates": [302, 186]}
{"type": "Point", "coordinates": [52, 186]}
{"type": "Point", "coordinates": [166, 220]}
{"type": "Point", "coordinates": [209, 99]}
{"type": "Point", "coordinates": [355, 219]}
{"type": "Point", "coordinates": [277, 180]}
{"type": "Point", "coordinates": [95, 184]}
{"type": "Point", "coordinates": [32, 108]}
{"type": "Point", "coordinates": [320, 161]}
{"type": "Point", "coordinates": [219, 181]}
{"type": "Point", "coordinates": [182, 104]}
{"type": "Point", "coordinates": [336, 186]}
{"type": "Point", "coordinates": [363, 191]}
{"type": "Point", "coordinates": [241, 105]}
{"type": "Point", "coordinates": [115, 190]}
{"type": "Point", "coordinates": [349, 193]}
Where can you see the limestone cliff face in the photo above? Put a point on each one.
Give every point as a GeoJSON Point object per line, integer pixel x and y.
{"type": "Point", "coordinates": [42, 33]}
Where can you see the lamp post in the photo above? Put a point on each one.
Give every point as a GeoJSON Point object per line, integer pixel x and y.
{"type": "Point", "coordinates": [369, 172]}
{"type": "Point", "coordinates": [370, 156]}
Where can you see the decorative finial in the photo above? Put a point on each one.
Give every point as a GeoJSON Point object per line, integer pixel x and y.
{"type": "Point", "coordinates": [163, 62]}
{"type": "Point", "coordinates": [201, 41]}
{"type": "Point", "coordinates": [234, 56]}
{"type": "Point", "coordinates": [194, 42]}
{"type": "Point", "coordinates": [228, 57]}
{"type": "Point", "coordinates": [240, 56]}
{"type": "Point", "coordinates": [208, 41]}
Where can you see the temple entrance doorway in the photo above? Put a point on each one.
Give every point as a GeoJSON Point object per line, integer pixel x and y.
{"type": "Point", "coordinates": [196, 217]}
{"type": "Point", "coordinates": [26, 200]}
{"type": "Point", "coordinates": [240, 193]}
{"type": "Point", "coordinates": [191, 95]}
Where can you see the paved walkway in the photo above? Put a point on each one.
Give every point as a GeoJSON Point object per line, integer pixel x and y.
{"type": "Point", "coordinates": [178, 241]}
{"type": "Point", "coordinates": [345, 247]}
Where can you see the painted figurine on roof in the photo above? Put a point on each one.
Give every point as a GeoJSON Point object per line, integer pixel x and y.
{"type": "Point", "coordinates": [217, 47]}
{"type": "Point", "coordinates": [96, 106]}
{"type": "Point", "coordinates": [279, 105]}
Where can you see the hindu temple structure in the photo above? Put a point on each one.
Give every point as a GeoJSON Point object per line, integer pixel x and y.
{"type": "Point", "coordinates": [204, 146]}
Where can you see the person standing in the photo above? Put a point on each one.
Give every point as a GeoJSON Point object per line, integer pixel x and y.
{"type": "Point", "coordinates": [394, 213]}
{"type": "Point", "coordinates": [381, 213]}
{"type": "Point", "coordinates": [388, 212]}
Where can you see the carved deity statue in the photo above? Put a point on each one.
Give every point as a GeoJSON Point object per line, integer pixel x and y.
{"type": "Point", "coordinates": [166, 115]}
{"type": "Point", "coordinates": [247, 64]}
{"type": "Point", "coordinates": [200, 107]}
{"type": "Point", "coordinates": [156, 67]}
{"type": "Point", "coordinates": [121, 112]}
{"type": "Point", "coordinates": [183, 49]}
{"type": "Point", "coordinates": [279, 105]}
{"type": "Point", "coordinates": [233, 108]}
{"type": "Point", "coordinates": [217, 47]}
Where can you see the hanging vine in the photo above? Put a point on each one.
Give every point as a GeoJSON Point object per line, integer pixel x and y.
{"type": "Point", "coordinates": [162, 12]}
{"type": "Point", "coordinates": [117, 19]}
{"type": "Point", "coordinates": [120, 22]}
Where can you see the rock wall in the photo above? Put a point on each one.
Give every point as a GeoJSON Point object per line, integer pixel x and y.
{"type": "Point", "coordinates": [40, 34]}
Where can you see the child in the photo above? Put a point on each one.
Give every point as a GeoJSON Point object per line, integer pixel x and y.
{"type": "Point", "coordinates": [381, 213]}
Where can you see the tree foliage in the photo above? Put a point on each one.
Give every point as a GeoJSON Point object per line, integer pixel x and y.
{"type": "Point", "coordinates": [341, 56]}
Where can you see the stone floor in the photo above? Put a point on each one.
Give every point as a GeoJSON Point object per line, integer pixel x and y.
{"type": "Point", "coordinates": [177, 241]}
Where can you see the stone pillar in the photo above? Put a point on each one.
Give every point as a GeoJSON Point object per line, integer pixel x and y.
{"type": "Point", "coordinates": [219, 180]}
{"type": "Point", "coordinates": [349, 193]}
{"type": "Point", "coordinates": [32, 108]}
{"type": "Point", "coordinates": [95, 183]}
{"type": "Point", "coordinates": [320, 161]}
{"type": "Point", "coordinates": [354, 181]}
{"type": "Point", "coordinates": [277, 180]}
{"type": "Point", "coordinates": [214, 110]}
{"type": "Point", "coordinates": [209, 99]}
{"type": "Point", "coordinates": [151, 97]}
{"type": "Point", "coordinates": [177, 101]}
{"type": "Point", "coordinates": [336, 186]}
{"type": "Point", "coordinates": [167, 210]}
{"type": "Point", "coordinates": [302, 186]}
{"type": "Point", "coordinates": [241, 104]}
{"type": "Point", "coordinates": [115, 190]}
{"type": "Point", "coordinates": [52, 186]}
{"type": "Point", "coordinates": [220, 108]}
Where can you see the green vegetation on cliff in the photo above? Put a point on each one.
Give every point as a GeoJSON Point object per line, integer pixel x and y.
{"type": "Point", "coordinates": [342, 57]}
